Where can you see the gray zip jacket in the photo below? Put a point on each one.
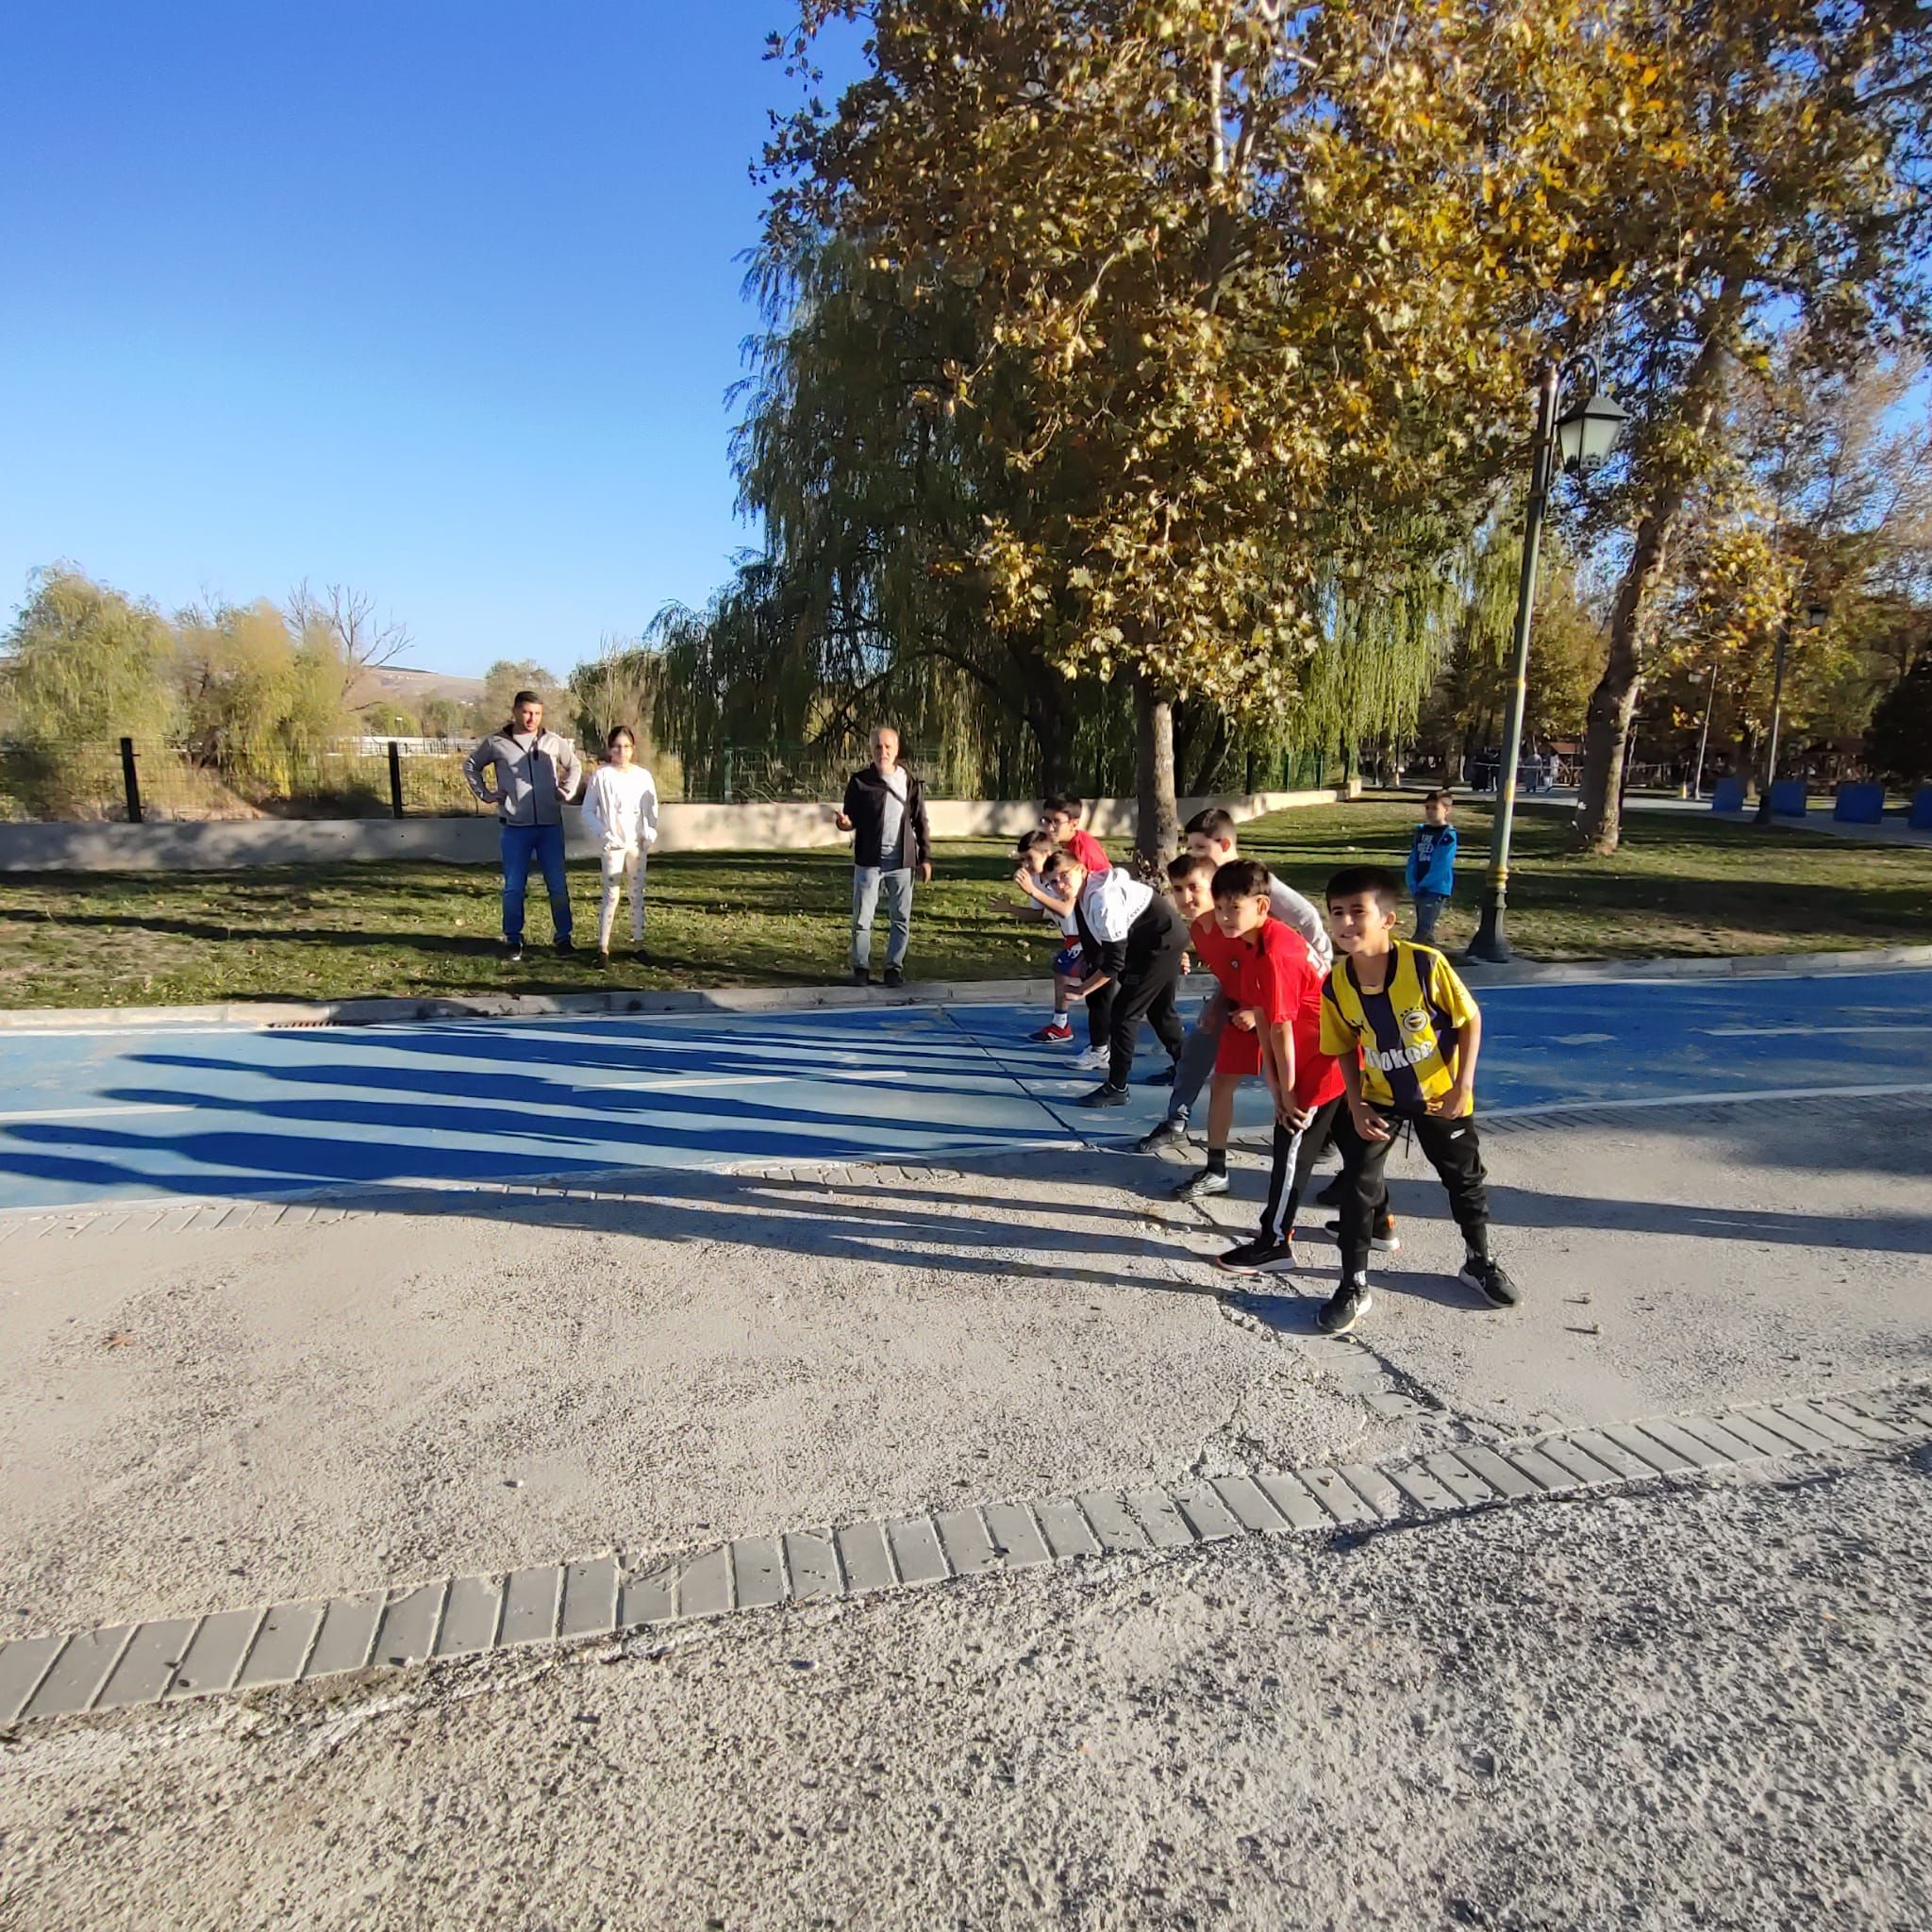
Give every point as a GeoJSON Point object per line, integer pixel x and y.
{"type": "Point", "coordinates": [535, 778]}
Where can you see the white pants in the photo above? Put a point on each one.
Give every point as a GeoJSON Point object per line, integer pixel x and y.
{"type": "Point", "coordinates": [622, 868]}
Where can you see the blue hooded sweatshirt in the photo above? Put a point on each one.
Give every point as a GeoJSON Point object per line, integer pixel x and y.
{"type": "Point", "coordinates": [1432, 860]}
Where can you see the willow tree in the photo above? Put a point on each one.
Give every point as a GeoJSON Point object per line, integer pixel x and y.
{"type": "Point", "coordinates": [1245, 284]}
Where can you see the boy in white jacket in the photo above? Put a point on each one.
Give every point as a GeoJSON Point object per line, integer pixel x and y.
{"type": "Point", "coordinates": [620, 812]}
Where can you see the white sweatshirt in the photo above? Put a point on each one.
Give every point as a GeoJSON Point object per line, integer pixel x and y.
{"type": "Point", "coordinates": [621, 808]}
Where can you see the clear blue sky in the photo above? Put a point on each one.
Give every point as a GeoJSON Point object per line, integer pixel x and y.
{"type": "Point", "coordinates": [439, 301]}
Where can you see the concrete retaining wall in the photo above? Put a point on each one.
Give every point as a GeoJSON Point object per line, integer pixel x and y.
{"type": "Point", "coordinates": [238, 846]}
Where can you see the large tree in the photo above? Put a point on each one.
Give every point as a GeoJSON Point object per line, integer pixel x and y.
{"type": "Point", "coordinates": [1773, 171]}
{"type": "Point", "coordinates": [1247, 287]}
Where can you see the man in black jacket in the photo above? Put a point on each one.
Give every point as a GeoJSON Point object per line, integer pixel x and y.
{"type": "Point", "coordinates": [885, 812]}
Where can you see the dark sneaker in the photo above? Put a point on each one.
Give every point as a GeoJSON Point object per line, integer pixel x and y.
{"type": "Point", "coordinates": [1163, 1078]}
{"type": "Point", "coordinates": [893, 976]}
{"type": "Point", "coordinates": [512, 951]}
{"type": "Point", "coordinates": [862, 975]}
{"type": "Point", "coordinates": [643, 955]}
{"type": "Point", "coordinates": [1344, 1309]}
{"type": "Point", "coordinates": [603, 955]}
{"type": "Point", "coordinates": [1105, 1094]}
{"type": "Point", "coordinates": [1330, 1196]}
{"type": "Point", "coordinates": [1055, 1033]}
{"type": "Point", "coordinates": [1258, 1258]}
{"type": "Point", "coordinates": [1382, 1237]}
{"type": "Point", "coordinates": [1170, 1133]}
{"type": "Point", "coordinates": [564, 949]}
{"type": "Point", "coordinates": [1490, 1281]}
{"type": "Point", "coordinates": [1198, 1186]}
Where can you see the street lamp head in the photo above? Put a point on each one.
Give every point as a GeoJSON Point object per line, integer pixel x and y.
{"type": "Point", "coordinates": [1815, 614]}
{"type": "Point", "coordinates": [1587, 432]}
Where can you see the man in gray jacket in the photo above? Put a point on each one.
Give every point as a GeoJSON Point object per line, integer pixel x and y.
{"type": "Point", "coordinates": [534, 775]}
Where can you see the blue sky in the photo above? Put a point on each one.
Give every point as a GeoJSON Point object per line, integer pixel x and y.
{"type": "Point", "coordinates": [439, 301]}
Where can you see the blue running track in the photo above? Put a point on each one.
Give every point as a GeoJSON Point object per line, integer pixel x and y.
{"type": "Point", "coordinates": [212, 1112]}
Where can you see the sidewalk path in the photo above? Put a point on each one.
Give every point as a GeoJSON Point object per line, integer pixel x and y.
{"type": "Point", "coordinates": [222, 1113]}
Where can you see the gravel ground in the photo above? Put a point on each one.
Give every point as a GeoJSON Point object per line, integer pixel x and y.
{"type": "Point", "coordinates": [1689, 1706]}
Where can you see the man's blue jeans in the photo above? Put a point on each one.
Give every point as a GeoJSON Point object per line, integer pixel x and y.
{"type": "Point", "coordinates": [544, 843]}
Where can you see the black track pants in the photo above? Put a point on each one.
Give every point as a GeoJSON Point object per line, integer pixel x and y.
{"type": "Point", "coordinates": [1451, 1147]}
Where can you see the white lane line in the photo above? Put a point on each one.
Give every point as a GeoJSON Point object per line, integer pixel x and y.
{"type": "Point", "coordinates": [1583, 1105]}
{"type": "Point", "coordinates": [79, 1113]}
{"type": "Point", "coordinates": [666, 1082]}
{"type": "Point", "coordinates": [1782, 1032]}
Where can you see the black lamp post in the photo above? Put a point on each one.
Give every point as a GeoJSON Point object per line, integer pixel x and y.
{"type": "Point", "coordinates": [1582, 439]}
{"type": "Point", "coordinates": [1814, 616]}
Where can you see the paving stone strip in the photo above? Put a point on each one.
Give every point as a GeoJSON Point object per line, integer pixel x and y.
{"type": "Point", "coordinates": [172, 1657]}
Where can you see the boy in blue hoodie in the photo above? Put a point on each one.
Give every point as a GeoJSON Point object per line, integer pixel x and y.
{"type": "Point", "coordinates": [1432, 865]}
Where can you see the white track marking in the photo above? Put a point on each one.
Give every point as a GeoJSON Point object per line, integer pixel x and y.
{"type": "Point", "coordinates": [78, 1114]}
{"type": "Point", "coordinates": [1782, 1032]}
{"type": "Point", "coordinates": [1721, 1098]}
{"type": "Point", "coordinates": [814, 1077]}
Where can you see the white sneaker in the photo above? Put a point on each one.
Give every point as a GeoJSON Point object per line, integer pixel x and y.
{"type": "Point", "coordinates": [1096, 1059]}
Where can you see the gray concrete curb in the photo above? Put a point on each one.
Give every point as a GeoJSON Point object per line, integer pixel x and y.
{"type": "Point", "coordinates": [611, 1594]}
{"type": "Point", "coordinates": [264, 1014]}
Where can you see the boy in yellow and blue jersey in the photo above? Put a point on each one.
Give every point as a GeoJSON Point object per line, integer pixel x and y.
{"type": "Point", "coordinates": [1406, 1033]}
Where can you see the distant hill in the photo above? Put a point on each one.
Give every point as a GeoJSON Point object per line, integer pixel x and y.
{"type": "Point", "coordinates": [409, 687]}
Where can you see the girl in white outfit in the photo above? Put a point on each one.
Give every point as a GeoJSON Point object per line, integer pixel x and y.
{"type": "Point", "coordinates": [620, 811]}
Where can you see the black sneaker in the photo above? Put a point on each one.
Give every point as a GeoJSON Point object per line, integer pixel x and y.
{"type": "Point", "coordinates": [1490, 1281]}
{"type": "Point", "coordinates": [1198, 1186]}
{"type": "Point", "coordinates": [1105, 1094]}
{"type": "Point", "coordinates": [564, 949]}
{"type": "Point", "coordinates": [513, 952]}
{"type": "Point", "coordinates": [1344, 1309]}
{"type": "Point", "coordinates": [1382, 1235]}
{"type": "Point", "coordinates": [893, 976]}
{"type": "Point", "coordinates": [1258, 1258]}
{"type": "Point", "coordinates": [862, 975]}
{"type": "Point", "coordinates": [603, 955]}
{"type": "Point", "coordinates": [1170, 1133]}
{"type": "Point", "coordinates": [1330, 1196]}
{"type": "Point", "coordinates": [1163, 1078]}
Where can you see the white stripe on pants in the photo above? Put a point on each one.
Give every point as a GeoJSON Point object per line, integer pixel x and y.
{"type": "Point", "coordinates": [622, 869]}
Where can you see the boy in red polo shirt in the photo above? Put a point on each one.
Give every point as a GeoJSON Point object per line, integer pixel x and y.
{"type": "Point", "coordinates": [1274, 985]}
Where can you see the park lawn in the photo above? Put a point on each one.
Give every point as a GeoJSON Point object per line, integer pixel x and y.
{"type": "Point", "coordinates": [1681, 885]}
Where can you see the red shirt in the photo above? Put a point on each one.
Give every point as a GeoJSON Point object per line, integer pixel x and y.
{"type": "Point", "coordinates": [1276, 974]}
{"type": "Point", "coordinates": [1087, 850]}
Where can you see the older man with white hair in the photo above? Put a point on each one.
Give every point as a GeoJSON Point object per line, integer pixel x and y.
{"type": "Point", "coordinates": [885, 812]}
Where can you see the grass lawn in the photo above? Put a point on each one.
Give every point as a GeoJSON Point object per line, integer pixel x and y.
{"type": "Point", "coordinates": [1682, 884]}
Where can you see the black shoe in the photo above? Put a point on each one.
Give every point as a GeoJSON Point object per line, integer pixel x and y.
{"type": "Point", "coordinates": [1170, 1133]}
{"type": "Point", "coordinates": [564, 949]}
{"type": "Point", "coordinates": [1105, 1094]}
{"type": "Point", "coordinates": [1330, 1196]}
{"type": "Point", "coordinates": [643, 955]}
{"type": "Point", "coordinates": [603, 955]}
{"type": "Point", "coordinates": [862, 975]}
{"type": "Point", "coordinates": [1490, 1281]}
{"type": "Point", "coordinates": [1382, 1235]}
{"type": "Point", "coordinates": [893, 976]}
{"type": "Point", "coordinates": [513, 952]}
{"type": "Point", "coordinates": [1344, 1309]}
{"type": "Point", "coordinates": [1210, 1180]}
{"type": "Point", "coordinates": [1258, 1258]}
{"type": "Point", "coordinates": [1163, 1078]}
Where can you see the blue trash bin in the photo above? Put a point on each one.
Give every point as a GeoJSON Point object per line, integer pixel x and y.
{"type": "Point", "coordinates": [1859, 805]}
{"type": "Point", "coordinates": [1920, 820]}
{"type": "Point", "coordinates": [1788, 798]}
{"type": "Point", "coordinates": [1727, 795]}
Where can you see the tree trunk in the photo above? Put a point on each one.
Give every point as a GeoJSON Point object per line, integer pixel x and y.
{"type": "Point", "coordinates": [1158, 830]}
{"type": "Point", "coordinates": [1606, 724]}
{"type": "Point", "coordinates": [1049, 707]}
